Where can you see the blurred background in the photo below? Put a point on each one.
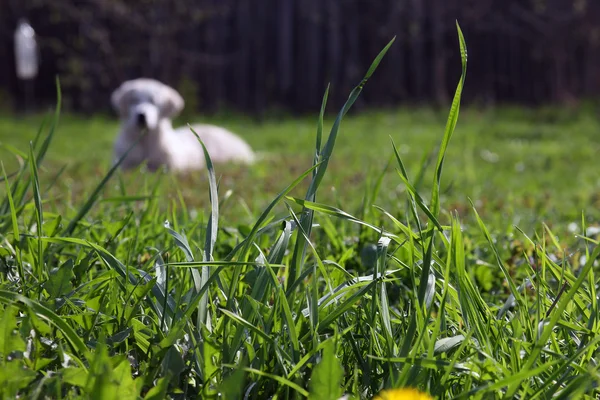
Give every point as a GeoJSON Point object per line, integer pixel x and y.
{"type": "Point", "coordinates": [255, 56]}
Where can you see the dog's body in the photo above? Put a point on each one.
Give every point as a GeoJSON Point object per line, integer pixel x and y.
{"type": "Point", "coordinates": [147, 106]}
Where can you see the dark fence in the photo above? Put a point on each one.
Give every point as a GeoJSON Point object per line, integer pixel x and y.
{"type": "Point", "coordinates": [254, 55]}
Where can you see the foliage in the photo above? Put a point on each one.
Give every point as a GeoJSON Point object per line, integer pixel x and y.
{"type": "Point", "coordinates": [121, 297]}
{"type": "Point", "coordinates": [253, 56]}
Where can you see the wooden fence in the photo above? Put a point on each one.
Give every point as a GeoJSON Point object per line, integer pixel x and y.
{"type": "Point", "coordinates": [257, 55]}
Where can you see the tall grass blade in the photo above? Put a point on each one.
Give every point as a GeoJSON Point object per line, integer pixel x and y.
{"type": "Point", "coordinates": [39, 212]}
{"type": "Point", "coordinates": [12, 210]}
{"type": "Point", "coordinates": [450, 125]}
{"type": "Point", "coordinates": [46, 143]}
{"type": "Point", "coordinates": [324, 156]}
{"type": "Point", "coordinates": [211, 229]}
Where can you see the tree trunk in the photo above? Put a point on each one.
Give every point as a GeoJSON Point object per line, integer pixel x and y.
{"type": "Point", "coordinates": [243, 61]}
{"type": "Point", "coordinates": [418, 63]}
{"type": "Point", "coordinates": [439, 92]}
{"type": "Point", "coordinates": [314, 62]}
{"type": "Point", "coordinates": [285, 42]}
{"type": "Point", "coordinates": [334, 44]}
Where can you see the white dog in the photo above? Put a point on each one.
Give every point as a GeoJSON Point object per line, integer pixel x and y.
{"type": "Point", "coordinates": [146, 107]}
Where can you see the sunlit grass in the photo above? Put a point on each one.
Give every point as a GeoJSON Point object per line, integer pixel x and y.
{"type": "Point", "coordinates": [264, 282]}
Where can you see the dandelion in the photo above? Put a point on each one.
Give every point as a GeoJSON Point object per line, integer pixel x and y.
{"type": "Point", "coordinates": [402, 394]}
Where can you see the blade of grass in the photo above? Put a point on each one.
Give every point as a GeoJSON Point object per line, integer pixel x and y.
{"type": "Point", "coordinates": [39, 213]}
{"type": "Point", "coordinates": [211, 229]}
{"type": "Point", "coordinates": [324, 156]}
{"type": "Point", "coordinates": [46, 143]}
{"type": "Point", "coordinates": [450, 125]}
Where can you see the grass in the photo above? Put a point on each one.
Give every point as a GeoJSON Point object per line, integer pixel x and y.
{"type": "Point", "coordinates": [139, 286]}
{"type": "Point", "coordinates": [520, 166]}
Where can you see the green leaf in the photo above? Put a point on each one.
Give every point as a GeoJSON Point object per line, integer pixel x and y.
{"type": "Point", "coordinates": [13, 378]}
{"type": "Point", "coordinates": [173, 363]}
{"type": "Point", "coordinates": [124, 386]}
{"type": "Point", "coordinates": [445, 345]}
{"type": "Point", "coordinates": [98, 386]}
{"type": "Point", "coordinates": [345, 306]}
{"type": "Point", "coordinates": [210, 352]}
{"type": "Point", "coordinates": [326, 378]}
{"type": "Point", "coordinates": [10, 339]}
{"type": "Point", "coordinates": [232, 387]}
{"type": "Point", "coordinates": [59, 281]}
{"type": "Point", "coordinates": [75, 376]}
{"type": "Point", "coordinates": [158, 392]}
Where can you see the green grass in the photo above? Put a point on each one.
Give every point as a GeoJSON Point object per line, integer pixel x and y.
{"type": "Point", "coordinates": [138, 286]}
{"type": "Point", "coordinates": [519, 166]}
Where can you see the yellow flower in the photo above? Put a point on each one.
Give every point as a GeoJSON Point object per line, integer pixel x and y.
{"type": "Point", "coordinates": [402, 394]}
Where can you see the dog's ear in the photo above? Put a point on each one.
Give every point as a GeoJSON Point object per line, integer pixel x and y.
{"type": "Point", "coordinates": [118, 99]}
{"type": "Point", "coordinates": [172, 103]}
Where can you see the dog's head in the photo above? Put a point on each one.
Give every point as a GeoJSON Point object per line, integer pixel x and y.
{"type": "Point", "coordinates": [144, 102]}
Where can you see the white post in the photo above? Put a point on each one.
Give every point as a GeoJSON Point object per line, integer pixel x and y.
{"type": "Point", "coordinates": [26, 58]}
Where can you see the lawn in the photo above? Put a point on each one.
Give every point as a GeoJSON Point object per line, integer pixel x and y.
{"type": "Point", "coordinates": [352, 276]}
{"type": "Point", "coordinates": [525, 166]}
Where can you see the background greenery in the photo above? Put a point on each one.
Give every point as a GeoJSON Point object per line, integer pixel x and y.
{"type": "Point", "coordinates": [525, 166]}
{"type": "Point", "coordinates": [313, 273]}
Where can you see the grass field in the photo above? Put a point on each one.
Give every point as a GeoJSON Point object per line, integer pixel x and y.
{"type": "Point", "coordinates": [349, 277]}
{"type": "Point", "coordinates": [525, 166]}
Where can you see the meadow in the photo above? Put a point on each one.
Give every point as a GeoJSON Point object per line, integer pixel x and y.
{"type": "Point", "coordinates": [452, 253]}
